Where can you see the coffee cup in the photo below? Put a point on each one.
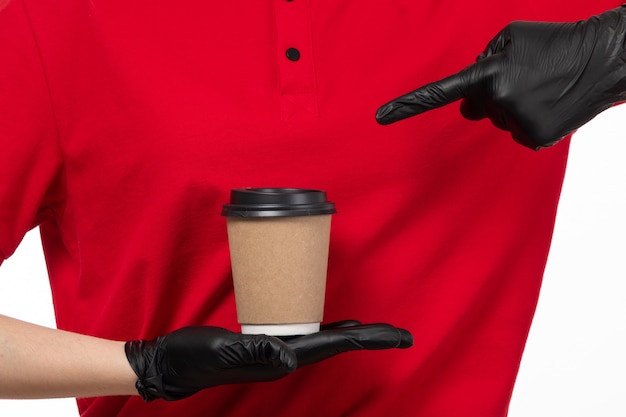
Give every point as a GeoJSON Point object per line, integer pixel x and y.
{"type": "Point", "coordinates": [279, 240]}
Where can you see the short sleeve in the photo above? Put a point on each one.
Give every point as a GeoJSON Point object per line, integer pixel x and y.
{"type": "Point", "coordinates": [31, 169]}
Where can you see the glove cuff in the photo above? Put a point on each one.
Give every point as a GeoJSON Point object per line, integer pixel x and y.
{"type": "Point", "coordinates": [142, 356]}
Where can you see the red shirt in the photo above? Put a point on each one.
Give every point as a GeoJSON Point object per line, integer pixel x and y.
{"type": "Point", "coordinates": [124, 124]}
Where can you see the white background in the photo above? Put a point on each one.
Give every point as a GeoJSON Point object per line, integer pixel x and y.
{"type": "Point", "coordinates": [575, 360]}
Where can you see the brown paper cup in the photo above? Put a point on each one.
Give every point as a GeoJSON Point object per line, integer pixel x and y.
{"type": "Point", "coordinates": [279, 259]}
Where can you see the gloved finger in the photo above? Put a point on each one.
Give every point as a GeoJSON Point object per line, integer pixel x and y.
{"type": "Point", "coordinates": [497, 115]}
{"type": "Point", "coordinates": [326, 344]}
{"type": "Point", "coordinates": [438, 93]}
{"type": "Point", "coordinates": [328, 326]}
{"type": "Point", "coordinates": [340, 324]}
{"type": "Point", "coordinates": [423, 99]}
{"type": "Point", "coordinates": [473, 106]}
{"type": "Point", "coordinates": [479, 107]}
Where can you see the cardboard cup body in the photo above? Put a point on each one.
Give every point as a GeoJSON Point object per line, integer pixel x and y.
{"type": "Point", "coordinates": [279, 267]}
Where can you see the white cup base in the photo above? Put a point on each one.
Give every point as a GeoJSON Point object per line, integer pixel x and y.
{"type": "Point", "coordinates": [293, 329]}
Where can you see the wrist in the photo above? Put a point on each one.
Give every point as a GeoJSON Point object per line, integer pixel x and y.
{"type": "Point", "coordinates": [39, 362]}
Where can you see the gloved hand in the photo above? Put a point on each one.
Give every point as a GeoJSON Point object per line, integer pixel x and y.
{"type": "Point", "coordinates": [181, 363]}
{"type": "Point", "coordinates": [540, 81]}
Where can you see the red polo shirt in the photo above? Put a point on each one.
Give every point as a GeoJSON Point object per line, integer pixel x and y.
{"type": "Point", "coordinates": [124, 124]}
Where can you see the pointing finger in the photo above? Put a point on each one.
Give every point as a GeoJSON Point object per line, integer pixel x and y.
{"type": "Point", "coordinates": [436, 94]}
{"type": "Point", "coordinates": [428, 97]}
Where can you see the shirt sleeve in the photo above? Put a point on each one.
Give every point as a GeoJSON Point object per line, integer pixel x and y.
{"type": "Point", "coordinates": [31, 168]}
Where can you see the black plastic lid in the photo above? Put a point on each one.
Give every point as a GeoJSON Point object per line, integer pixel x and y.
{"type": "Point", "coordinates": [277, 202]}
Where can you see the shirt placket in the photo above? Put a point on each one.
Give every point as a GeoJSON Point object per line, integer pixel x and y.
{"type": "Point", "coordinates": [298, 85]}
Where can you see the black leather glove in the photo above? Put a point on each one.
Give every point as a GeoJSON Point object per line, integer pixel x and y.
{"type": "Point", "coordinates": [181, 363]}
{"type": "Point", "coordinates": [540, 81]}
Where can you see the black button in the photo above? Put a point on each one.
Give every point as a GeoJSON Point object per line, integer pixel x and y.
{"type": "Point", "coordinates": [293, 54]}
